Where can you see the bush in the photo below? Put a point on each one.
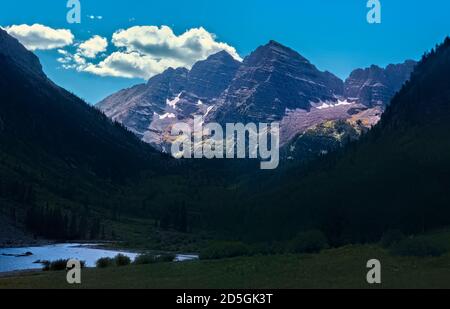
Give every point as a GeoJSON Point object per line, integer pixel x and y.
{"type": "Point", "coordinates": [165, 258]}
{"type": "Point", "coordinates": [45, 265]}
{"type": "Point", "coordinates": [145, 259]}
{"type": "Point", "coordinates": [391, 238]}
{"type": "Point", "coordinates": [104, 262]}
{"type": "Point", "coordinates": [309, 242]}
{"type": "Point", "coordinates": [58, 265]}
{"type": "Point", "coordinates": [219, 250]}
{"type": "Point", "coordinates": [419, 247]}
{"type": "Point", "coordinates": [122, 260]}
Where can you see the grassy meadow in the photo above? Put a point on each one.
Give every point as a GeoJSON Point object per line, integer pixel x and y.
{"type": "Point", "coordinates": [335, 268]}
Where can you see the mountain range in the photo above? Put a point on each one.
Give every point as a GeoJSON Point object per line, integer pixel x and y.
{"type": "Point", "coordinates": [63, 161]}
{"type": "Point", "coordinates": [273, 84]}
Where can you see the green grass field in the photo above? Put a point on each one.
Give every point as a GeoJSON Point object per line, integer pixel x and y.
{"type": "Point", "coordinates": [337, 268]}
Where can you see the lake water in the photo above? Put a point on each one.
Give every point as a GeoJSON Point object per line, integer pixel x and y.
{"type": "Point", "coordinates": [11, 261]}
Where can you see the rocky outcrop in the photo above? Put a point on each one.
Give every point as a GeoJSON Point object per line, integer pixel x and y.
{"type": "Point", "coordinates": [272, 80]}
{"type": "Point", "coordinates": [272, 84]}
{"type": "Point", "coordinates": [376, 86]}
{"type": "Point", "coordinates": [150, 109]}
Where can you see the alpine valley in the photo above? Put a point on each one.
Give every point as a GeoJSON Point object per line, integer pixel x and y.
{"type": "Point", "coordinates": [367, 158]}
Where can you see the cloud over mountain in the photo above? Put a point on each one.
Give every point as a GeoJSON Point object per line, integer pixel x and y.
{"type": "Point", "coordinates": [93, 46]}
{"type": "Point", "coordinates": [136, 52]}
{"type": "Point", "coordinates": [40, 37]}
{"type": "Point", "coordinates": [189, 47]}
{"type": "Point", "coordinates": [144, 51]}
{"type": "Point", "coordinates": [130, 65]}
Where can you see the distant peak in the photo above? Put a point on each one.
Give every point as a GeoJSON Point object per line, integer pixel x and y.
{"type": "Point", "coordinates": [410, 62]}
{"type": "Point", "coordinates": [276, 50]}
{"type": "Point", "coordinates": [168, 74]}
{"type": "Point", "coordinates": [375, 67]}
{"type": "Point", "coordinates": [222, 53]}
{"type": "Point", "coordinates": [179, 70]}
{"type": "Point", "coordinates": [222, 56]}
{"type": "Point", "coordinates": [275, 43]}
{"type": "Point", "coordinates": [277, 46]}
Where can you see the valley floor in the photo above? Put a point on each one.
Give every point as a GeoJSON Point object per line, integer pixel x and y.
{"type": "Point", "coordinates": [337, 268]}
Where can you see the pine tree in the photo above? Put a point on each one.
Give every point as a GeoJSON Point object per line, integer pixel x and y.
{"type": "Point", "coordinates": [183, 225]}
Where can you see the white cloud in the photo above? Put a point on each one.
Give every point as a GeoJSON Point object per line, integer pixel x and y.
{"type": "Point", "coordinates": [130, 65]}
{"type": "Point", "coordinates": [92, 47]}
{"type": "Point", "coordinates": [40, 37]}
{"type": "Point", "coordinates": [64, 60]}
{"type": "Point", "coordinates": [63, 52]}
{"type": "Point", "coordinates": [79, 60]}
{"type": "Point", "coordinates": [95, 17]}
{"type": "Point", "coordinates": [145, 51]}
{"type": "Point", "coordinates": [161, 42]}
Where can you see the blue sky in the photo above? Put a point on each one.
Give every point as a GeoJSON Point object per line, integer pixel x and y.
{"type": "Point", "coordinates": [334, 35]}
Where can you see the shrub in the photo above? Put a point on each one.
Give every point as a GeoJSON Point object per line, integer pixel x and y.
{"type": "Point", "coordinates": [145, 259]}
{"type": "Point", "coordinates": [165, 258]}
{"type": "Point", "coordinates": [261, 249]}
{"type": "Point", "coordinates": [104, 262]}
{"type": "Point", "coordinates": [122, 260]}
{"type": "Point", "coordinates": [45, 265]}
{"type": "Point", "coordinates": [419, 247]}
{"type": "Point", "coordinates": [309, 242]}
{"type": "Point", "coordinates": [58, 265]}
{"type": "Point", "coordinates": [391, 238]}
{"type": "Point", "coordinates": [219, 250]}
{"type": "Point", "coordinates": [279, 248]}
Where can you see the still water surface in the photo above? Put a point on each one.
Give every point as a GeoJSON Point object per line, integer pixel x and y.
{"type": "Point", "coordinates": [11, 259]}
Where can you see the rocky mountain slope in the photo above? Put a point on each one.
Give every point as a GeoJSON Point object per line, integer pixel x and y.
{"type": "Point", "coordinates": [376, 86]}
{"type": "Point", "coordinates": [175, 95]}
{"type": "Point", "coordinates": [272, 84]}
{"type": "Point", "coordinates": [11, 48]}
{"type": "Point", "coordinates": [272, 80]}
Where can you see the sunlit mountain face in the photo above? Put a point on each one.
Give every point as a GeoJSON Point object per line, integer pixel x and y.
{"type": "Point", "coordinates": [272, 84]}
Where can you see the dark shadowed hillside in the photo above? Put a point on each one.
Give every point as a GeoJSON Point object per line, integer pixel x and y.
{"type": "Point", "coordinates": [396, 177]}
{"type": "Point", "coordinates": [56, 149]}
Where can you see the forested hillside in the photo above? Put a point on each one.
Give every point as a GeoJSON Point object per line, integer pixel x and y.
{"type": "Point", "coordinates": [396, 177]}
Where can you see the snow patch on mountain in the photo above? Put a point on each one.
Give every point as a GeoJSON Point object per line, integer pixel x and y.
{"type": "Point", "coordinates": [208, 110]}
{"type": "Point", "coordinates": [167, 115]}
{"type": "Point", "coordinates": [173, 103]}
{"type": "Point", "coordinates": [328, 104]}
